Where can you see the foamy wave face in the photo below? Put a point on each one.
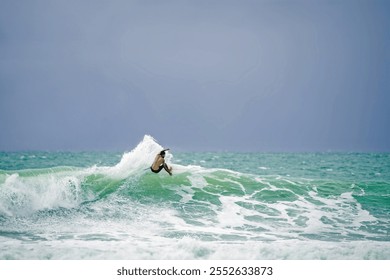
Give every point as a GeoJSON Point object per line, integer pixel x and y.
{"type": "Point", "coordinates": [26, 195]}
{"type": "Point", "coordinates": [198, 213]}
{"type": "Point", "coordinates": [214, 204]}
{"type": "Point", "coordinates": [27, 191]}
{"type": "Point", "coordinates": [119, 228]}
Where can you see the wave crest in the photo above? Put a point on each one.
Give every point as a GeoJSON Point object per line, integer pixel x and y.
{"type": "Point", "coordinates": [24, 192]}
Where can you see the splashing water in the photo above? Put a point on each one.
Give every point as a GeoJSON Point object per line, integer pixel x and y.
{"type": "Point", "coordinates": [261, 206]}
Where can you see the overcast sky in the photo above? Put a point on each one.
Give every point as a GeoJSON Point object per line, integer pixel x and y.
{"type": "Point", "coordinates": [196, 75]}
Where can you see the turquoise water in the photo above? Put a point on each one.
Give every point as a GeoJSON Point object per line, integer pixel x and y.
{"type": "Point", "coordinates": [62, 205]}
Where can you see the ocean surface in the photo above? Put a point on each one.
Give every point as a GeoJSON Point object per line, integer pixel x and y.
{"type": "Point", "coordinates": [96, 205]}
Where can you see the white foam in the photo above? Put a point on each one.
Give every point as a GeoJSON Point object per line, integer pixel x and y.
{"type": "Point", "coordinates": [26, 195]}
{"type": "Point", "coordinates": [192, 248]}
{"type": "Point", "coordinates": [140, 158]}
{"type": "Point", "coordinates": [230, 213]}
{"type": "Point", "coordinates": [264, 182]}
{"type": "Point", "coordinates": [187, 192]}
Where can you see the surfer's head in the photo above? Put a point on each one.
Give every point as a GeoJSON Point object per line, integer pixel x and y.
{"type": "Point", "coordinates": [162, 153]}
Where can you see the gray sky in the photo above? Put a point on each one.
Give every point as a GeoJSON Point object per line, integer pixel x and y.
{"type": "Point", "coordinates": [196, 75]}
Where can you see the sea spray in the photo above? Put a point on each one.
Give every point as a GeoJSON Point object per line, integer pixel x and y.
{"type": "Point", "coordinates": [264, 206]}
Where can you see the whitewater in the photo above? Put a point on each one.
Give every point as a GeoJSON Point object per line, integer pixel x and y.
{"type": "Point", "coordinates": [62, 205]}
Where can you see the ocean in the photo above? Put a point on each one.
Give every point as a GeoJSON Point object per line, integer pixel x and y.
{"type": "Point", "coordinates": [223, 205]}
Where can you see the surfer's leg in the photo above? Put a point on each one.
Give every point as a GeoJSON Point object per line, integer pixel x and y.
{"type": "Point", "coordinates": [167, 169]}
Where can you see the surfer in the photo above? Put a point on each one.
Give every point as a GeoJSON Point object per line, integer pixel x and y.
{"type": "Point", "coordinates": [159, 163]}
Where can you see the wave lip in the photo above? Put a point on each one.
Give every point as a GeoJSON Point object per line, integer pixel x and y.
{"type": "Point", "coordinates": [137, 160]}
{"type": "Point", "coordinates": [24, 192]}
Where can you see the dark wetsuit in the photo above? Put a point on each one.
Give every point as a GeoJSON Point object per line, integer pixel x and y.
{"type": "Point", "coordinates": [158, 170]}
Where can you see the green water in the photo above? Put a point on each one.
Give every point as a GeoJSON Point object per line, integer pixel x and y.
{"type": "Point", "coordinates": [61, 205]}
